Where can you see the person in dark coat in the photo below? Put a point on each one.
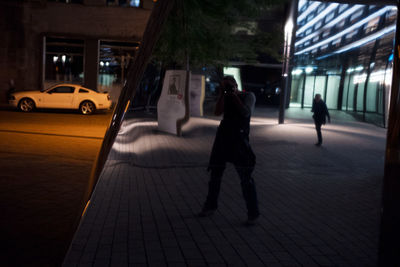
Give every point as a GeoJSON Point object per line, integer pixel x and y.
{"type": "Point", "coordinates": [320, 113]}
{"type": "Point", "coordinates": [231, 144]}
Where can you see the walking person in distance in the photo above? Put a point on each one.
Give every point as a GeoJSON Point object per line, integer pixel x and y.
{"type": "Point", "coordinates": [320, 113]}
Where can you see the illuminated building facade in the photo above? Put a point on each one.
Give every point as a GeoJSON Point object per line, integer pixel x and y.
{"type": "Point", "coordinates": [89, 42]}
{"type": "Point", "coordinates": [344, 52]}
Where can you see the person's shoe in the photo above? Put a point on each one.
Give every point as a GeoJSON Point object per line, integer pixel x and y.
{"type": "Point", "coordinates": [251, 220]}
{"type": "Point", "coordinates": [205, 213]}
{"type": "Point", "coordinates": [318, 144]}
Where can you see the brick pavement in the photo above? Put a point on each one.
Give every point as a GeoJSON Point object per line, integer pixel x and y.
{"type": "Point", "coordinates": [320, 206]}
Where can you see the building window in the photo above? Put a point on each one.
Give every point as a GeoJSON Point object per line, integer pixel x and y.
{"type": "Point", "coordinates": [329, 17]}
{"type": "Point", "coordinates": [307, 43]}
{"type": "Point", "coordinates": [310, 17]}
{"type": "Point", "coordinates": [126, 3]}
{"type": "Point", "coordinates": [303, 9]}
{"type": "Point", "coordinates": [135, 3]}
{"type": "Point", "coordinates": [391, 16]}
{"type": "Point", "coordinates": [320, 8]}
{"type": "Point", "coordinates": [372, 25]}
{"type": "Point", "coordinates": [356, 15]}
{"type": "Point", "coordinates": [336, 43]}
{"type": "Point", "coordinates": [324, 48]}
{"type": "Point", "coordinates": [115, 58]}
{"type": "Point", "coordinates": [315, 39]}
{"type": "Point", "coordinates": [308, 31]}
{"type": "Point", "coordinates": [351, 34]}
{"type": "Point", "coordinates": [325, 33]}
{"type": "Point", "coordinates": [318, 25]}
{"type": "Point", "coordinates": [342, 7]}
{"type": "Point", "coordinates": [340, 24]}
{"type": "Point", "coordinates": [64, 60]}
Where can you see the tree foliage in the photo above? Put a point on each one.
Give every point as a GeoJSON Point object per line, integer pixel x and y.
{"type": "Point", "coordinates": [202, 30]}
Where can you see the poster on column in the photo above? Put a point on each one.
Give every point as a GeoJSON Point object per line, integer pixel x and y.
{"type": "Point", "coordinates": [171, 105]}
{"type": "Point", "coordinates": [197, 94]}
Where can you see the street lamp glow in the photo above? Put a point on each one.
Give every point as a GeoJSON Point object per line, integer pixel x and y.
{"type": "Point", "coordinates": [350, 70]}
{"type": "Point", "coordinates": [101, 63]}
{"type": "Point", "coordinates": [63, 57]}
{"type": "Point", "coordinates": [289, 26]}
{"type": "Point", "coordinates": [107, 63]}
{"type": "Point", "coordinates": [55, 58]}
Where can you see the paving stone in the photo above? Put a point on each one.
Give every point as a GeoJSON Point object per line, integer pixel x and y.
{"type": "Point", "coordinates": [319, 206]}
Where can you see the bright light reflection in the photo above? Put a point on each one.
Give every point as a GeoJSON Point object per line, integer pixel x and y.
{"type": "Point", "coordinates": [381, 76]}
{"type": "Point", "coordinates": [297, 72]}
{"type": "Point", "coordinates": [309, 69]}
{"type": "Point", "coordinates": [289, 26]}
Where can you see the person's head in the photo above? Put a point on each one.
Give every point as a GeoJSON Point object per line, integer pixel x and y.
{"type": "Point", "coordinates": [317, 97]}
{"type": "Point", "coordinates": [229, 84]}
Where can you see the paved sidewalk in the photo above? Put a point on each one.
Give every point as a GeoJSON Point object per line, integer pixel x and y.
{"type": "Point", "coordinates": [320, 206]}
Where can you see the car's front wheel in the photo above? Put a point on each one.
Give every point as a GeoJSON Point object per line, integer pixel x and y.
{"type": "Point", "coordinates": [87, 107]}
{"type": "Point", "coordinates": [26, 105]}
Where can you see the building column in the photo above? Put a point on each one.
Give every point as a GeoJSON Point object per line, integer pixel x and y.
{"type": "Point", "coordinates": [91, 65]}
{"type": "Point", "coordinates": [371, 59]}
{"type": "Point", "coordinates": [290, 35]}
{"type": "Point", "coordinates": [389, 245]}
{"type": "Point", "coordinates": [344, 62]}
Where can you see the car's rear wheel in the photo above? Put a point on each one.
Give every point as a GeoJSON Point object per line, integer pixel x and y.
{"type": "Point", "coordinates": [26, 105]}
{"type": "Point", "coordinates": [87, 107]}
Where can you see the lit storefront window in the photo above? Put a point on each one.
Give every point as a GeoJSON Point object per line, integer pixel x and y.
{"type": "Point", "coordinates": [64, 61]}
{"type": "Point", "coordinates": [115, 58]}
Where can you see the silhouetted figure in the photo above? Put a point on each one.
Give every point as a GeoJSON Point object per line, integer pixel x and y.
{"type": "Point", "coordinates": [320, 113]}
{"type": "Point", "coordinates": [231, 144]}
{"type": "Point", "coordinates": [11, 89]}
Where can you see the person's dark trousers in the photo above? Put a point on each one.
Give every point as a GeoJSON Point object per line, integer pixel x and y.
{"type": "Point", "coordinates": [318, 128]}
{"type": "Point", "coordinates": [248, 189]}
{"type": "Point", "coordinates": [214, 186]}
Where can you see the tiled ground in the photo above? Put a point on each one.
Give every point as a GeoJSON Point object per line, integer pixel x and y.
{"type": "Point", "coordinates": [320, 206]}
